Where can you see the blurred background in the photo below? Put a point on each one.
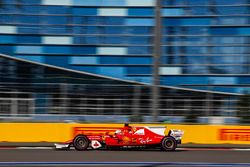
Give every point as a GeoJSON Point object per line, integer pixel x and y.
{"type": "Point", "coordinates": [172, 61]}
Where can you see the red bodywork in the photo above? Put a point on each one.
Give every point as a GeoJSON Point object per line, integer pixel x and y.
{"type": "Point", "coordinates": [131, 138]}
{"type": "Point", "coordinates": [127, 136]}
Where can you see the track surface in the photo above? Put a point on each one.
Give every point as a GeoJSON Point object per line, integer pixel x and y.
{"type": "Point", "coordinates": [210, 156]}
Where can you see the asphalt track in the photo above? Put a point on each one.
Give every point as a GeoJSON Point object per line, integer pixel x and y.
{"type": "Point", "coordinates": [49, 157]}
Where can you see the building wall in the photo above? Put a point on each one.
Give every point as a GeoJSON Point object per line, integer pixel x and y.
{"type": "Point", "coordinates": [205, 43]}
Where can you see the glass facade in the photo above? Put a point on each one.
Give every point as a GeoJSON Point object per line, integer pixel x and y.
{"type": "Point", "coordinates": [42, 93]}
{"type": "Point", "coordinates": [205, 43]}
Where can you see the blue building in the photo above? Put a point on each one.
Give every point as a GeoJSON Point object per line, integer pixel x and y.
{"type": "Point", "coordinates": [205, 43]}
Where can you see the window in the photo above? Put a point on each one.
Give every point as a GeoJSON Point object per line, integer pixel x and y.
{"type": "Point", "coordinates": [139, 40]}
{"type": "Point", "coordinates": [232, 20]}
{"type": "Point", "coordinates": [138, 60]}
{"type": "Point", "coordinates": [58, 40]}
{"type": "Point", "coordinates": [29, 19]}
{"type": "Point", "coordinates": [139, 30]}
{"type": "Point", "coordinates": [177, 80]}
{"type": "Point", "coordinates": [98, 3]}
{"type": "Point", "coordinates": [113, 3]}
{"type": "Point", "coordinates": [229, 59]}
{"type": "Point", "coordinates": [79, 20]}
{"type": "Point", "coordinates": [140, 3]}
{"type": "Point", "coordinates": [196, 60]}
{"type": "Point", "coordinates": [222, 80]}
{"type": "Point", "coordinates": [170, 70]}
{"type": "Point", "coordinates": [113, 40]}
{"type": "Point", "coordinates": [226, 69]}
{"type": "Point", "coordinates": [113, 20]}
{"type": "Point", "coordinates": [31, 9]}
{"type": "Point", "coordinates": [230, 40]}
{"type": "Point", "coordinates": [56, 2]}
{"type": "Point", "coordinates": [196, 30]}
{"type": "Point", "coordinates": [85, 30]}
{"type": "Point", "coordinates": [92, 20]}
{"type": "Point", "coordinates": [56, 9]}
{"type": "Point", "coordinates": [112, 50]}
{"type": "Point", "coordinates": [232, 10]}
{"type": "Point", "coordinates": [78, 11]}
{"type": "Point", "coordinates": [83, 50]}
{"type": "Point", "coordinates": [8, 29]}
{"type": "Point", "coordinates": [29, 49]}
{"type": "Point", "coordinates": [196, 69]}
{"type": "Point", "coordinates": [243, 31]}
{"type": "Point", "coordinates": [112, 12]}
{"type": "Point", "coordinates": [28, 39]}
{"type": "Point", "coordinates": [139, 50]}
{"type": "Point", "coordinates": [140, 12]}
{"type": "Point", "coordinates": [184, 2]}
{"type": "Point", "coordinates": [53, 30]}
{"type": "Point", "coordinates": [139, 22]}
{"type": "Point", "coordinates": [230, 50]}
{"type": "Point", "coordinates": [77, 60]}
{"type": "Point", "coordinates": [9, 9]}
{"type": "Point", "coordinates": [87, 40]}
{"type": "Point", "coordinates": [57, 60]}
{"type": "Point", "coordinates": [186, 21]}
{"type": "Point", "coordinates": [139, 70]}
{"type": "Point", "coordinates": [111, 60]}
{"type": "Point", "coordinates": [113, 30]}
{"type": "Point", "coordinates": [230, 2]}
{"type": "Point", "coordinates": [55, 20]}
{"type": "Point", "coordinates": [196, 50]}
{"type": "Point", "coordinates": [198, 2]}
{"type": "Point", "coordinates": [230, 31]}
{"type": "Point", "coordinates": [39, 59]}
{"type": "Point", "coordinates": [29, 1]}
{"type": "Point", "coordinates": [29, 29]}
{"type": "Point", "coordinates": [4, 39]}
{"type": "Point", "coordinates": [112, 71]}
{"type": "Point", "coordinates": [57, 49]}
{"type": "Point", "coordinates": [91, 69]}
{"type": "Point", "coordinates": [201, 10]}
{"type": "Point", "coordinates": [243, 80]}
{"type": "Point", "coordinates": [172, 12]}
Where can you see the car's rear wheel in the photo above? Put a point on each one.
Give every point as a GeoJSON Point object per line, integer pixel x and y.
{"type": "Point", "coordinates": [81, 143]}
{"type": "Point", "coordinates": [168, 143]}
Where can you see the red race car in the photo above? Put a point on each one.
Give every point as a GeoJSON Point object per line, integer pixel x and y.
{"type": "Point", "coordinates": [127, 137]}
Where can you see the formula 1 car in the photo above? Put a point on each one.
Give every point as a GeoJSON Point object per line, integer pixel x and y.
{"type": "Point", "coordinates": [127, 137]}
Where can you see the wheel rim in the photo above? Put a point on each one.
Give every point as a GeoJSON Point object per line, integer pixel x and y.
{"type": "Point", "coordinates": [169, 144]}
{"type": "Point", "coordinates": [81, 143]}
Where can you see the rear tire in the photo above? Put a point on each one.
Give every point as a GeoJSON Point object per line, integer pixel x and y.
{"type": "Point", "coordinates": [168, 143]}
{"type": "Point", "coordinates": [81, 143]}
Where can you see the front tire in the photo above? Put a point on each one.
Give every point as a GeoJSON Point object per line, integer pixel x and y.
{"type": "Point", "coordinates": [81, 143]}
{"type": "Point", "coordinates": [168, 143]}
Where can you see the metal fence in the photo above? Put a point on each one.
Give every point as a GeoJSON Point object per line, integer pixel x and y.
{"type": "Point", "coordinates": [80, 102]}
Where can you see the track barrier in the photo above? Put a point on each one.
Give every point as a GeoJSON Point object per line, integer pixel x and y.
{"type": "Point", "coordinates": [61, 132]}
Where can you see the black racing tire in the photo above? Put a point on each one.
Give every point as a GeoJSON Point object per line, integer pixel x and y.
{"type": "Point", "coordinates": [168, 143]}
{"type": "Point", "coordinates": [81, 142]}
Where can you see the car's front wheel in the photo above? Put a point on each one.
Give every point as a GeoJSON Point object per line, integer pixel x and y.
{"type": "Point", "coordinates": [168, 143]}
{"type": "Point", "coordinates": [81, 142]}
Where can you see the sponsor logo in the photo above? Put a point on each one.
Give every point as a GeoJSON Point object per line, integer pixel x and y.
{"type": "Point", "coordinates": [95, 144]}
{"type": "Point", "coordinates": [126, 139]}
{"type": "Point", "coordinates": [234, 134]}
{"type": "Point", "coordinates": [144, 141]}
